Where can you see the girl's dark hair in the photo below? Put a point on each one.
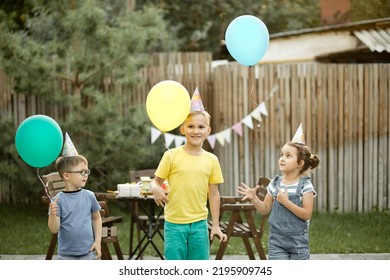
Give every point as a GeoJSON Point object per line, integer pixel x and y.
{"type": "Point", "coordinates": [310, 161]}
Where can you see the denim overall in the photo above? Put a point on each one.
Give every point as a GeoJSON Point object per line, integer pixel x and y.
{"type": "Point", "coordinates": [288, 235]}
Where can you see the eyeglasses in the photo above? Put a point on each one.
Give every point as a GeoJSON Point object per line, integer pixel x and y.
{"type": "Point", "coordinates": [81, 172]}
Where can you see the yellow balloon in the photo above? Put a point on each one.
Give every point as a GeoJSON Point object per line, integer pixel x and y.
{"type": "Point", "coordinates": [167, 105]}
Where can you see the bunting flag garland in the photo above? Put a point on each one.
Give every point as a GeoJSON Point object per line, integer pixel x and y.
{"type": "Point", "coordinates": [223, 136]}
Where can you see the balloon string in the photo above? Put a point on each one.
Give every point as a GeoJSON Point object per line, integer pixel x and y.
{"type": "Point", "coordinates": [251, 93]}
{"type": "Point", "coordinates": [165, 145]}
{"type": "Point", "coordinates": [44, 185]}
{"type": "Point", "coordinates": [252, 84]}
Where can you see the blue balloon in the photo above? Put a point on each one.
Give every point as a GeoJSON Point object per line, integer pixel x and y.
{"type": "Point", "coordinates": [39, 140]}
{"type": "Point", "coordinates": [247, 39]}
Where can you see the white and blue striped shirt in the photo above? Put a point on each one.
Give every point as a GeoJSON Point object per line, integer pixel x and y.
{"type": "Point", "coordinates": [291, 189]}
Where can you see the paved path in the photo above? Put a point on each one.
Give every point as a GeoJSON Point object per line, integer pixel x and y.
{"type": "Point", "coordinates": [380, 256]}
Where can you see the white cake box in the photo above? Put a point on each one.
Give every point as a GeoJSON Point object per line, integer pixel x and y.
{"type": "Point", "coordinates": [124, 190]}
{"type": "Point", "coordinates": [127, 190]}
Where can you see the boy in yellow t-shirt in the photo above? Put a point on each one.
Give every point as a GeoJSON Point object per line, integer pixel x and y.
{"type": "Point", "coordinates": [193, 175]}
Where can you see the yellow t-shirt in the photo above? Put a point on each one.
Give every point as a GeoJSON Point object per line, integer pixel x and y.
{"type": "Point", "coordinates": [188, 184]}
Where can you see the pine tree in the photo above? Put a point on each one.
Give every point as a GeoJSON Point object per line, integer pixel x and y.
{"type": "Point", "coordinates": [79, 44]}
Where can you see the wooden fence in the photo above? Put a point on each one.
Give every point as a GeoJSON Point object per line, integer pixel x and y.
{"type": "Point", "coordinates": [190, 69]}
{"type": "Point", "coordinates": [344, 109]}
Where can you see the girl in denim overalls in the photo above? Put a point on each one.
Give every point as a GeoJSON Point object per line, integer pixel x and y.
{"type": "Point", "coordinates": [291, 198]}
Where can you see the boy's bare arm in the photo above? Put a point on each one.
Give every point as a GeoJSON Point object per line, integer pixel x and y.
{"type": "Point", "coordinates": [54, 220]}
{"type": "Point", "coordinates": [97, 227]}
{"type": "Point", "coordinates": [214, 200]}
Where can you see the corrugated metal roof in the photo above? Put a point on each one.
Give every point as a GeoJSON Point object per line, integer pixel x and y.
{"type": "Point", "coordinates": [380, 23]}
{"type": "Point", "coordinates": [375, 39]}
{"type": "Point", "coordinates": [357, 42]}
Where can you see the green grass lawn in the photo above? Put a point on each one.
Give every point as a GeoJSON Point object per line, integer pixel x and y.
{"type": "Point", "coordinates": [24, 231]}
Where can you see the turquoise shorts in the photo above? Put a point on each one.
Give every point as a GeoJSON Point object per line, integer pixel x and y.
{"type": "Point", "coordinates": [186, 241]}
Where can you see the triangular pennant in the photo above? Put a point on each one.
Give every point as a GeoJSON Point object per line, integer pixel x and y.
{"type": "Point", "coordinates": [168, 139]}
{"type": "Point", "coordinates": [255, 113]}
{"type": "Point", "coordinates": [227, 134]}
{"type": "Point", "coordinates": [155, 134]}
{"type": "Point", "coordinates": [248, 121]}
{"type": "Point", "coordinates": [196, 101]}
{"type": "Point", "coordinates": [299, 137]}
{"type": "Point", "coordinates": [220, 138]}
{"type": "Point", "coordinates": [69, 149]}
{"type": "Point", "coordinates": [263, 109]}
{"type": "Point", "coordinates": [179, 140]}
{"type": "Point", "coordinates": [211, 139]}
{"type": "Point", "coordinates": [238, 128]}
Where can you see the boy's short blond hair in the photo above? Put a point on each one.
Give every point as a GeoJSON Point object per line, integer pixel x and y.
{"type": "Point", "coordinates": [64, 164]}
{"type": "Point", "coordinates": [204, 113]}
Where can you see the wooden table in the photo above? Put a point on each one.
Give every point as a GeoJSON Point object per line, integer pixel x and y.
{"type": "Point", "coordinates": [149, 221]}
{"type": "Point", "coordinates": [241, 224]}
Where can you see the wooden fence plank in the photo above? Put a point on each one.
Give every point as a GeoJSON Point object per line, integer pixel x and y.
{"type": "Point", "coordinates": [366, 161]}
{"type": "Point", "coordinates": [354, 137]}
{"type": "Point", "coordinates": [382, 148]}
{"type": "Point", "coordinates": [387, 135]}
{"type": "Point", "coordinates": [322, 128]}
{"type": "Point", "coordinates": [331, 125]}
{"type": "Point", "coordinates": [360, 139]}
{"type": "Point", "coordinates": [375, 135]}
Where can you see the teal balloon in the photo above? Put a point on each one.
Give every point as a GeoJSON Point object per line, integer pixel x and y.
{"type": "Point", "coordinates": [247, 39]}
{"type": "Point", "coordinates": [39, 140]}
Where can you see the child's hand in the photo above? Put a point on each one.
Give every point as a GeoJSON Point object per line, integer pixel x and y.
{"type": "Point", "coordinates": [282, 196]}
{"type": "Point", "coordinates": [54, 207]}
{"type": "Point", "coordinates": [216, 230]}
{"type": "Point", "coordinates": [97, 248]}
{"type": "Point", "coordinates": [248, 192]}
{"type": "Point", "coordinates": [160, 196]}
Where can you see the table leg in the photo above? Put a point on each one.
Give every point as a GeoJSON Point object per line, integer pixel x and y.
{"type": "Point", "coordinates": [149, 233]}
{"type": "Point", "coordinates": [229, 230]}
{"type": "Point", "coordinates": [256, 235]}
{"type": "Point", "coordinates": [131, 228]}
{"type": "Point", "coordinates": [133, 205]}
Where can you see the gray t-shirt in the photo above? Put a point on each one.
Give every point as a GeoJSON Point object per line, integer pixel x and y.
{"type": "Point", "coordinates": [76, 236]}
